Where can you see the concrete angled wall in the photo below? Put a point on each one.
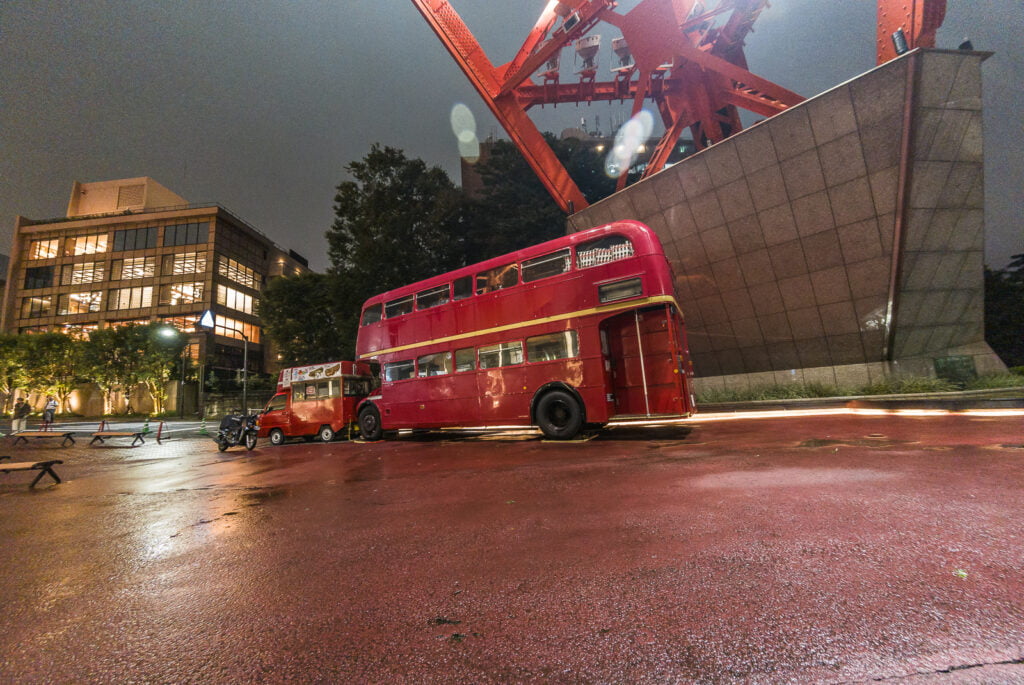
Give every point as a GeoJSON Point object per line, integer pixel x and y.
{"type": "Point", "coordinates": [837, 242]}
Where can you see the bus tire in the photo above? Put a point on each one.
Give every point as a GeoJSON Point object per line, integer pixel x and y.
{"type": "Point", "coordinates": [559, 415]}
{"type": "Point", "coordinates": [326, 433]}
{"type": "Point", "coordinates": [277, 437]}
{"type": "Point", "coordinates": [369, 423]}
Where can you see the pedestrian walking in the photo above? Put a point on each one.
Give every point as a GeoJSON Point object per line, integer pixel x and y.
{"type": "Point", "coordinates": [20, 416]}
{"type": "Point", "coordinates": [49, 410]}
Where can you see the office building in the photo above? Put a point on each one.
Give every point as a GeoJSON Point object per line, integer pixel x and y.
{"type": "Point", "coordinates": [132, 251]}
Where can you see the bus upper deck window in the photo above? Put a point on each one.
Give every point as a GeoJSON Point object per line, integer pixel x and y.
{"type": "Point", "coordinates": [547, 265]}
{"type": "Point", "coordinates": [462, 288]}
{"type": "Point", "coordinates": [497, 278]}
{"type": "Point", "coordinates": [610, 248]}
{"type": "Point", "coordinates": [432, 297]}
{"type": "Point", "coordinates": [371, 314]}
{"type": "Point", "coordinates": [403, 305]}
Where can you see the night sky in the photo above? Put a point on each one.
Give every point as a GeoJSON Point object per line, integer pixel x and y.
{"type": "Point", "coordinates": [259, 105]}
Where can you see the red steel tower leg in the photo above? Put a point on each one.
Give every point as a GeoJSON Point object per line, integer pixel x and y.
{"type": "Point", "coordinates": [692, 68]}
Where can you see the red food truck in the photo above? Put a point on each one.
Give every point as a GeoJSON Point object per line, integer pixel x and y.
{"type": "Point", "coordinates": [316, 401]}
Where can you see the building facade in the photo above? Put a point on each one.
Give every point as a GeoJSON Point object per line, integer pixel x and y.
{"type": "Point", "coordinates": [839, 242]}
{"type": "Point", "coordinates": [132, 251]}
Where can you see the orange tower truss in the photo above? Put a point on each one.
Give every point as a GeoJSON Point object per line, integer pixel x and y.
{"type": "Point", "coordinates": [683, 56]}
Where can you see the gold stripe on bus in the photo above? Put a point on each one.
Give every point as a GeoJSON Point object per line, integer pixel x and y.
{"type": "Point", "coordinates": [603, 309]}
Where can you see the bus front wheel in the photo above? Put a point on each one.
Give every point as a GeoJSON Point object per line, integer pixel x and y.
{"type": "Point", "coordinates": [326, 434]}
{"type": "Point", "coordinates": [369, 423]}
{"type": "Point", "coordinates": [277, 437]}
{"type": "Point", "coordinates": [559, 415]}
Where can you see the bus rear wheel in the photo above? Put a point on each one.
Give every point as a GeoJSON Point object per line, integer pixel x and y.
{"type": "Point", "coordinates": [369, 423]}
{"type": "Point", "coordinates": [559, 415]}
{"type": "Point", "coordinates": [326, 434]}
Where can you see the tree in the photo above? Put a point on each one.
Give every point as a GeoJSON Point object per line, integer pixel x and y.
{"type": "Point", "coordinates": [397, 221]}
{"type": "Point", "coordinates": [302, 316]}
{"type": "Point", "coordinates": [160, 360]}
{"type": "Point", "coordinates": [11, 369]}
{"type": "Point", "coordinates": [1004, 311]}
{"type": "Point", "coordinates": [53, 362]}
{"type": "Point", "coordinates": [515, 209]}
{"type": "Point", "coordinates": [117, 360]}
{"type": "Point", "coordinates": [102, 360]}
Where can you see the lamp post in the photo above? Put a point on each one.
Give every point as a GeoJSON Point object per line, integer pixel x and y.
{"type": "Point", "coordinates": [245, 373]}
{"type": "Point", "coordinates": [171, 332]}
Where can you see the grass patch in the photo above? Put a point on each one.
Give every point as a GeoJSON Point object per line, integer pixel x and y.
{"type": "Point", "coordinates": [996, 380]}
{"type": "Point", "coordinates": [903, 385]}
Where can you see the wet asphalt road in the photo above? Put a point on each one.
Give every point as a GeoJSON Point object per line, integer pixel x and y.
{"type": "Point", "coordinates": [831, 549]}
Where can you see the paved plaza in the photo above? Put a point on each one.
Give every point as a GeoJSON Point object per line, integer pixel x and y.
{"type": "Point", "coordinates": [810, 549]}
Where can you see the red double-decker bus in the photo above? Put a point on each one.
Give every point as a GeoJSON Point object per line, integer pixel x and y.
{"type": "Point", "coordinates": [575, 331]}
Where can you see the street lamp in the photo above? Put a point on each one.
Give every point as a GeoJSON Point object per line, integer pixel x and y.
{"type": "Point", "coordinates": [245, 373]}
{"type": "Point", "coordinates": [172, 332]}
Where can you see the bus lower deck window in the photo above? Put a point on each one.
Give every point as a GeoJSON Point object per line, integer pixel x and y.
{"type": "Point", "coordinates": [438, 364]}
{"type": "Point", "coordinates": [543, 348]}
{"type": "Point", "coordinates": [398, 371]}
{"type": "Point", "coordinates": [502, 354]}
{"type": "Point", "coordinates": [465, 359]}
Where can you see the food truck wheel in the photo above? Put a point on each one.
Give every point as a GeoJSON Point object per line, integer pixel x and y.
{"type": "Point", "coordinates": [326, 434]}
{"type": "Point", "coordinates": [276, 437]}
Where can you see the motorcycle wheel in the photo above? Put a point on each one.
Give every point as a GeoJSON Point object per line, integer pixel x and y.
{"type": "Point", "coordinates": [250, 440]}
{"type": "Point", "coordinates": [222, 445]}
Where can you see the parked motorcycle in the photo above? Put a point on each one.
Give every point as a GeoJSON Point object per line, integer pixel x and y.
{"type": "Point", "coordinates": [238, 429]}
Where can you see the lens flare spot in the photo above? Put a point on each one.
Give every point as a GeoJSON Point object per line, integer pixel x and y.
{"type": "Point", "coordinates": [463, 123]}
{"type": "Point", "coordinates": [469, 150]}
{"type": "Point", "coordinates": [630, 141]}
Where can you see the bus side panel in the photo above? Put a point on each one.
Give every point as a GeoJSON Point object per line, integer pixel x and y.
{"type": "Point", "coordinates": [434, 402]}
{"type": "Point", "coordinates": [644, 360]}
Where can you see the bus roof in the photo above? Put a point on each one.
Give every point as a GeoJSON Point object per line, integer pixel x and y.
{"type": "Point", "coordinates": [645, 241]}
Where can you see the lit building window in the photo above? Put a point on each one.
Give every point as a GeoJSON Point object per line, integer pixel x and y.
{"type": "Point", "coordinates": [184, 263]}
{"type": "Point", "coordinates": [82, 273]}
{"type": "Point", "coordinates": [185, 324]}
{"type": "Point", "coordinates": [231, 328]}
{"type": "Point", "coordinates": [80, 331]}
{"type": "Point", "coordinates": [181, 293]}
{"type": "Point", "coordinates": [131, 298]}
{"type": "Point", "coordinates": [36, 307]}
{"type": "Point", "coordinates": [87, 244]}
{"type": "Point", "coordinates": [239, 273]}
{"type": "Point", "coordinates": [135, 267]}
{"type": "Point", "coordinates": [235, 299]}
{"type": "Point", "coordinates": [44, 249]}
{"type": "Point", "coordinates": [79, 303]}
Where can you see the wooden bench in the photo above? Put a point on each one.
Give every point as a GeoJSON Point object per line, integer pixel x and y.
{"type": "Point", "coordinates": [23, 436]}
{"type": "Point", "coordinates": [43, 467]}
{"type": "Point", "coordinates": [135, 435]}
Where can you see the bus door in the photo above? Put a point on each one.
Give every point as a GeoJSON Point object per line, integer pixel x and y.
{"type": "Point", "coordinates": [644, 358]}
